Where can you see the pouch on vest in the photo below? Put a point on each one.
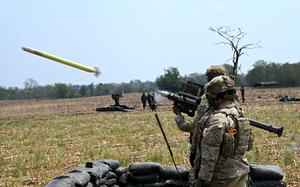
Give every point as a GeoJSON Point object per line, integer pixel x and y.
{"type": "Point", "coordinates": [228, 145]}
{"type": "Point", "coordinates": [246, 137]}
{"type": "Point", "coordinates": [239, 142]}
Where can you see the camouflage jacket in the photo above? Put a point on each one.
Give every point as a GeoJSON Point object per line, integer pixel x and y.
{"type": "Point", "coordinates": [193, 125]}
{"type": "Point", "coordinates": [210, 163]}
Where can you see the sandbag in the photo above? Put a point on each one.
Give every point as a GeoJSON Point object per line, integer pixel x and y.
{"type": "Point", "coordinates": [110, 175]}
{"type": "Point", "coordinates": [114, 164]}
{"type": "Point", "coordinates": [123, 179]}
{"type": "Point", "coordinates": [170, 172]}
{"type": "Point", "coordinates": [95, 172]}
{"type": "Point", "coordinates": [176, 183]}
{"type": "Point", "coordinates": [133, 185]}
{"type": "Point", "coordinates": [143, 179]}
{"type": "Point", "coordinates": [265, 172]}
{"type": "Point", "coordinates": [120, 171]}
{"type": "Point", "coordinates": [144, 168]}
{"type": "Point", "coordinates": [89, 184]}
{"type": "Point", "coordinates": [157, 184]}
{"type": "Point", "coordinates": [96, 163]}
{"type": "Point", "coordinates": [110, 182]}
{"type": "Point", "coordinates": [61, 181]}
{"type": "Point", "coordinates": [80, 178]}
{"type": "Point", "coordinates": [268, 183]}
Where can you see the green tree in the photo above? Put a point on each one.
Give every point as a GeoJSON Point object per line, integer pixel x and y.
{"type": "Point", "coordinates": [257, 73]}
{"type": "Point", "coordinates": [30, 88]}
{"type": "Point", "coordinates": [4, 95]}
{"type": "Point", "coordinates": [228, 68]}
{"type": "Point", "coordinates": [196, 78]}
{"type": "Point", "coordinates": [83, 90]}
{"type": "Point", "coordinates": [170, 80]}
{"type": "Point", "coordinates": [91, 89]}
{"type": "Point", "coordinates": [61, 90]}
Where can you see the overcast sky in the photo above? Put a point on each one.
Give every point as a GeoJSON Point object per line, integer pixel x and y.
{"type": "Point", "coordinates": [138, 39]}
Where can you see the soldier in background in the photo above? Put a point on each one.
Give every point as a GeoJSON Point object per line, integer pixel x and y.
{"type": "Point", "coordinates": [224, 139]}
{"type": "Point", "coordinates": [153, 103]}
{"type": "Point", "coordinates": [242, 89]}
{"type": "Point", "coordinates": [189, 126]}
{"type": "Point", "coordinates": [144, 100]}
{"type": "Point", "coordinates": [149, 99]}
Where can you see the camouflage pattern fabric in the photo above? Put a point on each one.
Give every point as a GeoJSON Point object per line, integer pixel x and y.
{"type": "Point", "coordinates": [214, 71]}
{"type": "Point", "coordinates": [241, 181]}
{"type": "Point", "coordinates": [214, 167]}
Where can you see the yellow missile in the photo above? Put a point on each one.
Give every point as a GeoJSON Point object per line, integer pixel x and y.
{"type": "Point", "coordinates": [63, 61]}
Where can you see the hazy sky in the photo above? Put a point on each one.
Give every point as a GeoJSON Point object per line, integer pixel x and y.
{"type": "Point", "coordinates": [138, 39]}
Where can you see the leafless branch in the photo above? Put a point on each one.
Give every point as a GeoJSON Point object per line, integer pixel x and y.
{"type": "Point", "coordinates": [233, 39]}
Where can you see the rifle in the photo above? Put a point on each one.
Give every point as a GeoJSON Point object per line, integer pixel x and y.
{"type": "Point", "coordinates": [187, 104]}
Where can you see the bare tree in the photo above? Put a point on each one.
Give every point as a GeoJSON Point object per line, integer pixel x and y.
{"type": "Point", "coordinates": [233, 38]}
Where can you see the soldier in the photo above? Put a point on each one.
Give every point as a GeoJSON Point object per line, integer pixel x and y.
{"type": "Point", "coordinates": [153, 103]}
{"type": "Point", "coordinates": [149, 99]}
{"type": "Point", "coordinates": [189, 126]}
{"type": "Point", "coordinates": [224, 139]}
{"type": "Point", "coordinates": [144, 100]}
{"type": "Point", "coordinates": [242, 89]}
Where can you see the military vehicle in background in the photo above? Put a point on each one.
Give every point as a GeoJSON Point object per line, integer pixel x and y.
{"type": "Point", "coordinates": [266, 84]}
{"type": "Point", "coordinates": [116, 107]}
{"type": "Point", "coordinates": [287, 98]}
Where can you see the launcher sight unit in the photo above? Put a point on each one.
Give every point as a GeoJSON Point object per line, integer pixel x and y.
{"type": "Point", "coordinates": [188, 98]}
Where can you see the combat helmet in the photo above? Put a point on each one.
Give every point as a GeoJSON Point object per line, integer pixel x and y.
{"type": "Point", "coordinates": [214, 71]}
{"type": "Point", "coordinates": [220, 86]}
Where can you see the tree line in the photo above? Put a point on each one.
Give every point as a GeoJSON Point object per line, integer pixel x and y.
{"type": "Point", "coordinates": [286, 74]}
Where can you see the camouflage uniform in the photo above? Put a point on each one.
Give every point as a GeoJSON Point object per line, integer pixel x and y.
{"type": "Point", "coordinates": [189, 126]}
{"type": "Point", "coordinates": [224, 139]}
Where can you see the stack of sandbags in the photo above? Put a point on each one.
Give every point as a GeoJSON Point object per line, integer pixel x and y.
{"type": "Point", "coordinates": [109, 173]}
{"type": "Point", "coordinates": [175, 177]}
{"type": "Point", "coordinates": [266, 176]}
{"type": "Point", "coordinates": [94, 173]}
{"type": "Point", "coordinates": [145, 173]}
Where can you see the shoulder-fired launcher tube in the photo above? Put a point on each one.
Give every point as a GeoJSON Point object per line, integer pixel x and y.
{"type": "Point", "coordinates": [270, 128]}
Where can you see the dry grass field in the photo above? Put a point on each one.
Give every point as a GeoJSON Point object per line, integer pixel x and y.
{"type": "Point", "coordinates": [41, 139]}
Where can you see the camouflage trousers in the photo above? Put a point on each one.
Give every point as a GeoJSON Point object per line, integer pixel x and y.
{"type": "Point", "coordinates": [241, 181]}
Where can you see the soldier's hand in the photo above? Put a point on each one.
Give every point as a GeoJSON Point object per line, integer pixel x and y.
{"type": "Point", "coordinates": [176, 110]}
{"type": "Point", "coordinates": [179, 119]}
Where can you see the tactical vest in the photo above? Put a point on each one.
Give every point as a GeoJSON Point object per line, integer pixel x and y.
{"type": "Point", "coordinates": [238, 137]}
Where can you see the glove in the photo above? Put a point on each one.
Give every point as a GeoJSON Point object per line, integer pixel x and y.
{"type": "Point", "coordinates": [179, 119]}
{"type": "Point", "coordinates": [176, 110]}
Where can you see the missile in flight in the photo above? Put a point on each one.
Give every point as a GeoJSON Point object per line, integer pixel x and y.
{"type": "Point", "coordinates": [77, 65]}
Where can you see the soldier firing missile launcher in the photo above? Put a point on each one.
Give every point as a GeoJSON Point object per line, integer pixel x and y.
{"type": "Point", "coordinates": [188, 103]}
